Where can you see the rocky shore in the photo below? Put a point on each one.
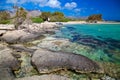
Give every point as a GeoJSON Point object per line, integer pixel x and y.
{"type": "Point", "coordinates": [29, 54]}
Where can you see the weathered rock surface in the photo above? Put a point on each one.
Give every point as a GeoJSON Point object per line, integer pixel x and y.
{"type": "Point", "coordinates": [20, 47]}
{"type": "Point", "coordinates": [17, 35]}
{"type": "Point", "coordinates": [45, 77]}
{"type": "Point", "coordinates": [6, 58]}
{"type": "Point", "coordinates": [6, 74]}
{"type": "Point", "coordinates": [2, 32]}
{"type": "Point", "coordinates": [7, 63]}
{"type": "Point", "coordinates": [48, 61]}
{"type": "Point", "coordinates": [7, 27]}
{"type": "Point", "coordinates": [28, 32]}
{"type": "Point", "coordinates": [39, 28]}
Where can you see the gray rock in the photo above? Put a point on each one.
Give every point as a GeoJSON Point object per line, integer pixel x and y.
{"type": "Point", "coordinates": [45, 77]}
{"type": "Point", "coordinates": [7, 27]}
{"type": "Point", "coordinates": [28, 37]}
{"type": "Point", "coordinates": [7, 63]}
{"type": "Point", "coordinates": [20, 47]}
{"type": "Point", "coordinates": [48, 61]}
{"type": "Point", "coordinates": [18, 36]}
{"type": "Point", "coordinates": [6, 74]}
{"type": "Point", "coordinates": [2, 32]}
{"type": "Point", "coordinates": [7, 60]}
{"type": "Point", "coordinates": [13, 36]}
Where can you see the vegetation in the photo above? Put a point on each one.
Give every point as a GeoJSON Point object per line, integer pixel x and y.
{"type": "Point", "coordinates": [37, 20]}
{"type": "Point", "coordinates": [95, 17]}
{"type": "Point", "coordinates": [20, 17]}
{"type": "Point", "coordinates": [54, 17]}
{"type": "Point", "coordinates": [4, 17]}
{"type": "Point", "coordinates": [45, 15]}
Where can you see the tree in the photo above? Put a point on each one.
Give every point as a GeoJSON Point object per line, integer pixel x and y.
{"type": "Point", "coordinates": [60, 14]}
{"type": "Point", "coordinates": [45, 15]}
{"type": "Point", "coordinates": [20, 17]}
{"type": "Point", "coordinates": [95, 17]}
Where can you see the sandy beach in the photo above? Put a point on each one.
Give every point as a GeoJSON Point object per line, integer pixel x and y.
{"type": "Point", "coordinates": [84, 22]}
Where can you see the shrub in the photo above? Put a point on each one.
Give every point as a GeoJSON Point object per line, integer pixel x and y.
{"type": "Point", "coordinates": [37, 20]}
{"type": "Point", "coordinates": [5, 22]}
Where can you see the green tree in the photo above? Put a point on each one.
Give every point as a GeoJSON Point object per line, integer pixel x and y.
{"type": "Point", "coordinates": [45, 15]}
{"type": "Point", "coordinates": [60, 14]}
{"type": "Point", "coordinates": [95, 17]}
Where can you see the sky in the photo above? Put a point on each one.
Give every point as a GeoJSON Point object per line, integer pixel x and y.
{"type": "Point", "coordinates": [110, 9]}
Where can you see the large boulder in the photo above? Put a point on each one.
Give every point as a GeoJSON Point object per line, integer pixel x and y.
{"type": "Point", "coordinates": [13, 36]}
{"type": "Point", "coordinates": [7, 63]}
{"type": "Point", "coordinates": [6, 74]}
{"type": "Point", "coordinates": [48, 61]}
{"type": "Point", "coordinates": [45, 77]}
{"type": "Point", "coordinates": [2, 32]}
{"type": "Point", "coordinates": [20, 47]}
{"type": "Point", "coordinates": [18, 36]}
{"type": "Point", "coordinates": [6, 58]}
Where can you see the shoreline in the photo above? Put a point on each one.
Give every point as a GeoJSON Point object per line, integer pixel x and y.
{"type": "Point", "coordinates": [84, 22]}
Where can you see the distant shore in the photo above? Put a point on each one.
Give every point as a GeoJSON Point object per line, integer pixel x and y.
{"type": "Point", "coordinates": [84, 22]}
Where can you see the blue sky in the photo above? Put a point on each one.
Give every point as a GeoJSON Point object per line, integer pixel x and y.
{"type": "Point", "coordinates": [110, 9]}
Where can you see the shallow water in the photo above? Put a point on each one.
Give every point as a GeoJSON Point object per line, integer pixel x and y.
{"type": "Point", "coordinates": [103, 39]}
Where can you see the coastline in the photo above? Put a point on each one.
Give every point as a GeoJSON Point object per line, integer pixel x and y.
{"type": "Point", "coordinates": [84, 22]}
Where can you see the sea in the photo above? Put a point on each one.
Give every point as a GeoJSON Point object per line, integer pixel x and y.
{"type": "Point", "coordinates": [104, 39]}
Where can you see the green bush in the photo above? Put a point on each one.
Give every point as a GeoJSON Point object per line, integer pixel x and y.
{"type": "Point", "coordinates": [5, 22]}
{"type": "Point", "coordinates": [37, 20]}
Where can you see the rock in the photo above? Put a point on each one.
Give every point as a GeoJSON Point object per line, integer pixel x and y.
{"type": "Point", "coordinates": [7, 63]}
{"type": "Point", "coordinates": [18, 35]}
{"type": "Point", "coordinates": [45, 77]}
{"type": "Point", "coordinates": [28, 37]}
{"type": "Point", "coordinates": [13, 36]}
{"type": "Point", "coordinates": [7, 60]}
{"type": "Point", "coordinates": [2, 32]}
{"type": "Point", "coordinates": [6, 74]}
{"type": "Point", "coordinates": [48, 61]}
{"type": "Point", "coordinates": [20, 47]}
{"type": "Point", "coordinates": [7, 27]}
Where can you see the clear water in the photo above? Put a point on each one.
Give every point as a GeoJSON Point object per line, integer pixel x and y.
{"type": "Point", "coordinates": [104, 38]}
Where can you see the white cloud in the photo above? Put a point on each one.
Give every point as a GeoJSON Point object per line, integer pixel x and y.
{"type": "Point", "coordinates": [12, 1]}
{"type": "Point", "coordinates": [77, 10]}
{"type": "Point", "coordinates": [70, 5]}
{"type": "Point", "coordinates": [53, 3]}
{"type": "Point", "coordinates": [41, 3]}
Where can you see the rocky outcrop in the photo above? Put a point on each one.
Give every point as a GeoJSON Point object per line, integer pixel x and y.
{"type": "Point", "coordinates": [2, 32]}
{"type": "Point", "coordinates": [7, 63]}
{"type": "Point", "coordinates": [39, 28]}
{"type": "Point", "coordinates": [20, 47]}
{"type": "Point", "coordinates": [6, 74]}
{"type": "Point", "coordinates": [18, 36]}
{"type": "Point", "coordinates": [48, 61]}
{"type": "Point", "coordinates": [7, 27]}
{"type": "Point", "coordinates": [6, 58]}
{"type": "Point", "coordinates": [45, 77]}
{"type": "Point", "coordinates": [28, 32]}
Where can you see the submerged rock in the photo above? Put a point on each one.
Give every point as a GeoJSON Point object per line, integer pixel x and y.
{"type": "Point", "coordinates": [48, 61]}
{"type": "Point", "coordinates": [45, 77]}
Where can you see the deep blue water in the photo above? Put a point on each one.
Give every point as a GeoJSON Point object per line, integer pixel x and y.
{"type": "Point", "coordinates": [104, 38]}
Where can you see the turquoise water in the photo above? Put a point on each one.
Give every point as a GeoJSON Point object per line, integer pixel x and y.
{"type": "Point", "coordinates": [104, 38]}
